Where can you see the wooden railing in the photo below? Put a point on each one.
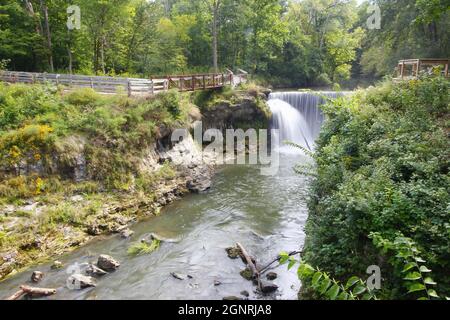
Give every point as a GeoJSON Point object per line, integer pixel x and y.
{"type": "Point", "coordinates": [411, 68]}
{"type": "Point", "coordinates": [130, 86]}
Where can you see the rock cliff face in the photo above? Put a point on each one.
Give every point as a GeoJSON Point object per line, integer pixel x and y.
{"type": "Point", "coordinates": [242, 111]}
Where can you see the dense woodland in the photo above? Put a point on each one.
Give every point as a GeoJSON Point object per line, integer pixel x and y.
{"type": "Point", "coordinates": [287, 42]}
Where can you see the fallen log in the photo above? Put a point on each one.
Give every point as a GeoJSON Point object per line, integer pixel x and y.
{"type": "Point", "coordinates": [250, 264]}
{"type": "Point", "coordinates": [33, 292]}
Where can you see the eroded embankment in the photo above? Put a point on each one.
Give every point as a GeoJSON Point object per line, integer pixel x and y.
{"type": "Point", "coordinates": [76, 166]}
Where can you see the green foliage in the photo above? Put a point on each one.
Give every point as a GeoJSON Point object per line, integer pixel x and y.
{"type": "Point", "coordinates": [406, 261]}
{"type": "Point", "coordinates": [142, 248]}
{"type": "Point", "coordinates": [326, 287]}
{"type": "Point", "coordinates": [410, 29]}
{"type": "Point", "coordinates": [382, 166]}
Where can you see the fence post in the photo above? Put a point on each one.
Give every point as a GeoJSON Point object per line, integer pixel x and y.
{"type": "Point", "coordinates": [181, 84]}
{"type": "Point", "coordinates": [129, 87]}
{"type": "Point", "coordinates": [152, 88]}
{"type": "Point", "coordinates": [204, 82]}
{"type": "Point", "coordinates": [92, 82]}
{"type": "Point", "coordinates": [193, 83]}
{"type": "Point", "coordinates": [57, 79]}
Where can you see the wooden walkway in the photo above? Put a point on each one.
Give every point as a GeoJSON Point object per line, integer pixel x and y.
{"type": "Point", "coordinates": [130, 86]}
{"type": "Point", "coordinates": [411, 68]}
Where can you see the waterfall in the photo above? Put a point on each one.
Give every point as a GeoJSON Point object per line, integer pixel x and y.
{"type": "Point", "coordinates": [298, 117]}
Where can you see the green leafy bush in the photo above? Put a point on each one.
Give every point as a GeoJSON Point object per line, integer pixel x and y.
{"type": "Point", "coordinates": [382, 166]}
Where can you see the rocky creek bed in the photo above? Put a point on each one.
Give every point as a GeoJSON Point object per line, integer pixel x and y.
{"type": "Point", "coordinates": [261, 212]}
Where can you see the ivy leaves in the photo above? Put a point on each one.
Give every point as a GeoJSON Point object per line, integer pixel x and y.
{"type": "Point", "coordinates": [327, 287]}
{"type": "Point", "coordinates": [406, 258]}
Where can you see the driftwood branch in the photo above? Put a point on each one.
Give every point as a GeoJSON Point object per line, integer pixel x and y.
{"type": "Point", "coordinates": [33, 292]}
{"type": "Point", "coordinates": [266, 268]}
{"type": "Point", "coordinates": [250, 263]}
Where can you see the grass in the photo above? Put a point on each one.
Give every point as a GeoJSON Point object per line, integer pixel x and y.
{"type": "Point", "coordinates": [142, 248]}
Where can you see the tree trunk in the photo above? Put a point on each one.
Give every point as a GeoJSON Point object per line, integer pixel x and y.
{"type": "Point", "coordinates": [102, 54]}
{"type": "Point", "coordinates": [69, 53]}
{"type": "Point", "coordinates": [215, 36]}
{"type": "Point", "coordinates": [48, 36]}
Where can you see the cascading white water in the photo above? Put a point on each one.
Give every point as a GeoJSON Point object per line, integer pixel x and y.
{"type": "Point", "coordinates": [291, 125]}
{"type": "Point", "coordinates": [298, 117]}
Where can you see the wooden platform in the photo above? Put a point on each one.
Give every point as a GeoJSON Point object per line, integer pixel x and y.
{"type": "Point", "coordinates": [411, 68]}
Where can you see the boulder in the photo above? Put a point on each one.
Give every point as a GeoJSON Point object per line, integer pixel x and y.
{"type": "Point", "coordinates": [126, 233]}
{"type": "Point", "coordinates": [37, 276]}
{"type": "Point", "coordinates": [57, 265]}
{"type": "Point", "coordinates": [217, 283]}
{"type": "Point", "coordinates": [271, 276]}
{"type": "Point", "coordinates": [231, 298]}
{"type": "Point", "coordinates": [79, 281]}
{"type": "Point", "coordinates": [247, 274]}
{"type": "Point", "coordinates": [93, 270]}
{"type": "Point", "coordinates": [107, 263]}
{"type": "Point", "coordinates": [199, 184]}
{"type": "Point", "coordinates": [233, 252]}
{"type": "Point", "coordinates": [245, 293]}
{"type": "Point", "coordinates": [268, 287]}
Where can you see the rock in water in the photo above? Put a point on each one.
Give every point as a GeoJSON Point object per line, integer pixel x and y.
{"type": "Point", "coordinates": [37, 276]}
{"type": "Point", "coordinates": [245, 293]}
{"type": "Point", "coordinates": [247, 274]}
{"type": "Point", "coordinates": [78, 282]}
{"type": "Point", "coordinates": [107, 263]}
{"type": "Point", "coordinates": [268, 287]}
{"type": "Point", "coordinates": [180, 276]}
{"type": "Point", "coordinates": [93, 270]}
{"type": "Point", "coordinates": [271, 276]}
{"type": "Point", "coordinates": [233, 252]}
{"type": "Point", "coordinates": [231, 298]}
{"type": "Point", "coordinates": [57, 265]}
{"type": "Point", "coordinates": [127, 233]}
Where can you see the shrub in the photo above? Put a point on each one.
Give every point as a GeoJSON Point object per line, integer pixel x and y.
{"type": "Point", "coordinates": [382, 166]}
{"type": "Point", "coordinates": [83, 97]}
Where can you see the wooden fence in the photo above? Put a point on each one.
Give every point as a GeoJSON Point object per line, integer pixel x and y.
{"type": "Point", "coordinates": [129, 86]}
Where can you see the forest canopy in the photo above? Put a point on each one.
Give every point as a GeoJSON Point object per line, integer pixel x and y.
{"type": "Point", "coordinates": [287, 42]}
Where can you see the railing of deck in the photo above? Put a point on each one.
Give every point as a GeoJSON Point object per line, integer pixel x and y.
{"type": "Point", "coordinates": [130, 86]}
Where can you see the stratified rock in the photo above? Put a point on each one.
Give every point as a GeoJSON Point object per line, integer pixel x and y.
{"type": "Point", "coordinates": [93, 270]}
{"type": "Point", "coordinates": [37, 276]}
{"type": "Point", "coordinates": [78, 282]}
{"type": "Point", "coordinates": [57, 265]}
{"type": "Point", "coordinates": [268, 287]}
{"type": "Point", "coordinates": [199, 184]}
{"type": "Point", "coordinates": [271, 276]}
{"type": "Point", "coordinates": [107, 263]}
